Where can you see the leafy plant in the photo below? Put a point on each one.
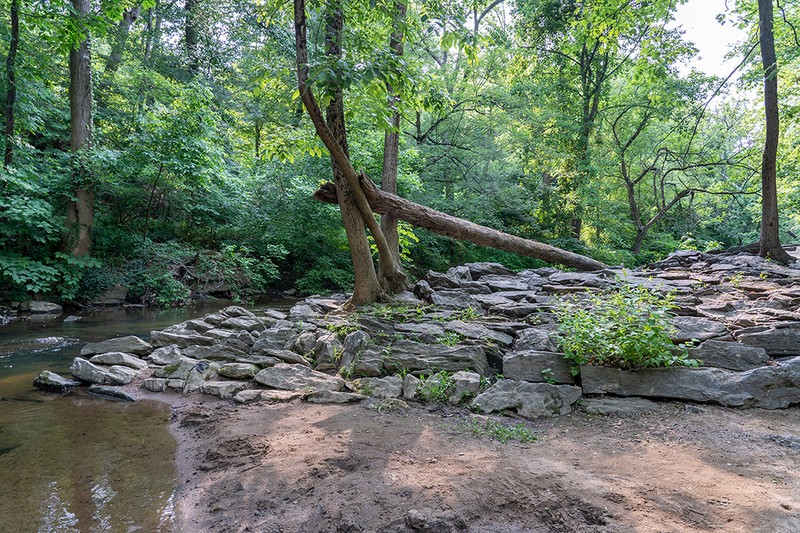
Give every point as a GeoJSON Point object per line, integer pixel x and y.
{"type": "Point", "coordinates": [499, 431]}
{"type": "Point", "coordinates": [450, 338]}
{"type": "Point", "coordinates": [625, 328]}
{"type": "Point", "coordinates": [436, 387]}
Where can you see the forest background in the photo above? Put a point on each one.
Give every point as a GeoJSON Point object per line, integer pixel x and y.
{"type": "Point", "coordinates": [575, 123]}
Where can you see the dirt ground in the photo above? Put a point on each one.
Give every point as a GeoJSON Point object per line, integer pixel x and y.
{"type": "Point", "coordinates": [300, 467]}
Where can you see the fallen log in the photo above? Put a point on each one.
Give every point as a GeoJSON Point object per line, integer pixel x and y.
{"type": "Point", "coordinates": [457, 228]}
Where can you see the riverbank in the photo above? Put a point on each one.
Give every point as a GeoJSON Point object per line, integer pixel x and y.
{"type": "Point", "coordinates": [299, 467]}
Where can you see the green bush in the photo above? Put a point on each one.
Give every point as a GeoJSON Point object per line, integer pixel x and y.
{"type": "Point", "coordinates": [627, 327]}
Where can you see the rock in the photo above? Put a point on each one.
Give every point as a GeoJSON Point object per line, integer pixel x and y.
{"type": "Point", "coordinates": [176, 384]}
{"type": "Point", "coordinates": [303, 311]}
{"type": "Point", "coordinates": [248, 396]}
{"type": "Point", "coordinates": [286, 356]}
{"type": "Point", "coordinates": [216, 352]}
{"type": "Point", "coordinates": [199, 325]}
{"type": "Point", "coordinates": [328, 351]}
{"type": "Point", "coordinates": [455, 299]}
{"type": "Point", "coordinates": [112, 392]}
{"type": "Point", "coordinates": [277, 337]}
{"type": "Point", "coordinates": [421, 331]}
{"type": "Point", "coordinates": [119, 358]}
{"type": "Point", "coordinates": [328, 396]}
{"type": "Point", "coordinates": [304, 343]}
{"type": "Point", "coordinates": [504, 283]}
{"type": "Point", "coordinates": [537, 366]}
{"type": "Point", "coordinates": [202, 373]}
{"type": "Point", "coordinates": [466, 386]}
{"type": "Point", "coordinates": [167, 355]}
{"type": "Point", "coordinates": [478, 270]}
{"type": "Point", "coordinates": [354, 345]}
{"type": "Point", "coordinates": [155, 384]}
{"type": "Point", "coordinates": [215, 319]}
{"type": "Point", "coordinates": [580, 279]}
{"type": "Point", "coordinates": [536, 339]}
{"type": "Point", "coordinates": [730, 355]}
{"type": "Point", "coordinates": [696, 328]}
{"type": "Point", "coordinates": [238, 370]}
{"type": "Point", "coordinates": [91, 373]}
{"type": "Point", "coordinates": [388, 387]}
{"type": "Point", "coordinates": [297, 377]}
{"type": "Point", "coordinates": [780, 339]}
{"type": "Point", "coordinates": [178, 370]}
{"type": "Point", "coordinates": [473, 330]}
{"type": "Point", "coordinates": [43, 308]}
{"type": "Point", "coordinates": [515, 309]}
{"type": "Point", "coordinates": [416, 520]}
{"type": "Point", "coordinates": [234, 311]}
{"type": "Point", "coordinates": [531, 400]}
{"type": "Point", "coordinates": [411, 384]}
{"type": "Point", "coordinates": [247, 324]}
{"type": "Point", "coordinates": [437, 280]}
{"type": "Point", "coordinates": [115, 295]}
{"type": "Point", "coordinates": [181, 338]}
{"type": "Point", "coordinates": [767, 387]}
{"type": "Point", "coordinates": [130, 344]}
{"type": "Point", "coordinates": [617, 406]}
{"type": "Point", "coordinates": [50, 381]}
{"type": "Point", "coordinates": [415, 356]}
{"type": "Point", "coordinates": [222, 389]}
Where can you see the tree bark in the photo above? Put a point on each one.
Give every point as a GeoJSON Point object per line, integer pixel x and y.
{"type": "Point", "coordinates": [366, 287]}
{"type": "Point", "coordinates": [391, 139]}
{"type": "Point", "coordinates": [458, 228]}
{"type": "Point", "coordinates": [123, 31]}
{"type": "Point", "coordinates": [770, 244]}
{"type": "Point", "coordinates": [391, 275]}
{"type": "Point", "coordinates": [80, 209]}
{"type": "Point", "coordinates": [11, 84]}
{"type": "Point", "coordinates": [192, 37]}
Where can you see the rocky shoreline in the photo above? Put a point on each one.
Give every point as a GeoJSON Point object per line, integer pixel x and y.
{"type": "Point", "coordinates": [481, 336]}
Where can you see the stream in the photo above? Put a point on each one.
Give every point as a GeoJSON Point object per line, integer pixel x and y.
{"type": "Point", "coordinates": [78, 462]}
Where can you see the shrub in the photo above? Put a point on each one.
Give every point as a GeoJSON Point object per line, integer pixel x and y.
{"type": "Point", "coordinates": [625, 328]}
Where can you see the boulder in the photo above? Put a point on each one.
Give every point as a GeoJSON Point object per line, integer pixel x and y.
{"type": "Point", "coordinates": [466, 386]}
{"type": "Point", "coordinates": [89, 372]}
{"type": "Point", "coordinates": [454, 299]}
{"type": "Point", "coordinates": [277, 337]}
{"type": "Point", "coordinates": [181, 338]}
{"type": "Point", "coordinates": [269, 396]}
{"type": "Point", "coordinates": [730, 355]}
{"type": "Point", "coordinates": [115, 295]}
{"type": "Point", "coordinates": [50, 381]}
{"type": "Point", "coordinates": [473, 330]}
{"type": "Point", "coordinates": [328, 396]}
{"type": "Point", "coordinates": [515, 309]}
{"type": "Point", "coordinates": [696, 328]}
{"type": "Point", "coordinates": [130, 344]}
{"type": "Point", "coordinates": [222, 389]}
{"type": "Point", "coordinates": [579, 279]}
{"type": "Point", "coordinates": [234, 311]}
{"type": "Point", "coordinates": [297, 377]}
{"type": "Point", "coordinates": [119, 358]}
{"type": "Point", "coordinates": [155, 384]}
{"type": "Point", "coordinates": [478, 270]}
{"type": "Point", "coordinates": [167, 355]}
{"type": "Point", "coordinates": [121, 375]}
{"type": "Point", "coordinates": [216, 352]}
{"type": "Point", "coordinates": [411, 384]}
{"type": "Point", "coordinates": [243, 323]}
{"type": "Point", "coordinates": [388, 387]}
{"type": "Point", "coordinates": [198, 325]}
{"type": "Point", "coordinates": [504, 283]}
{"type": "Point", "coordinates": [41, 308]}
{"type": "Point", "coordinates": [354, 345]}
{"type": "Point", "coordinates": [284, 355]}
{"type": "Point", "coordinates": [421, 331]}
{"type": "Point", "coordinates": [537, 339]}
{"type": "Point", "coordinates": [415, 356]}
{"type": "Point", "coordinates": [767, 387]}
{"type": "Point", "coordinates": [780, 339]}
{"type": "Point", "coordinates": [531, 400]}
{"type": "Point", "coordinates": [537, 366]}
{"type": "Point", "coordinates": [118, 393]}
{"type": "Point", "coordinates": [303, 311]}
{"type": "Point", "coordinates": [327, 351]}
{"type": "Point", "coordinates": [199, 375]}
{"type": "Point", "coordinates": [238, 370]}
{"type": "Point", "coordinates": [177, 370]}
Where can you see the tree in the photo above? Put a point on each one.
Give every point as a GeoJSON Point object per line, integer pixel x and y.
{"type": "Point", "coordinates": [80, 209]}
{"type": "Point", "coordinates": [11, 84]}
{"type": "Point", "coordinates": [769, 242]}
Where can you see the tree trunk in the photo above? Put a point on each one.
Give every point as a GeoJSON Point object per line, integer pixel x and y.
{"type": "Point", "coordinates": [192, 36]}
{"type": "Point", "coordinates": [80, 209]}
{"type": "Point", "coordinates": [11, 84]}
{"type": "Point", "coordinates": [458, 228]}
{"type": "Point", "coordinates": [391, 140]}
{"type": "Point", "coordinates": [770, 244]}
{"type": "Point", "coordinates": [123, 31]}
{"type": "Point", "coordinates": [366, 287]}
{"type": "Point", "coordinates": [391, 275]}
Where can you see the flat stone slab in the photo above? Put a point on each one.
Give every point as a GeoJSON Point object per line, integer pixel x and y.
{"type": "Point", "coordinates": [730, 355]}
{"type": "Point", "coordinates": [327, 396]}
{"type": "Point", "coordinates": [617, 406]}
{"type": "Point", "coordinates": [269, 396]}
{"type": "Point", "coordinates": [101, 375]}
{"type": "Point", "coordinates": [537, 366]}
{"type": "Point", "coordinates": [473, 330]}
{"type": "Point", "coordinates": [238, 370]}
{"type": "Point", "coordinates": [297, 377]}
{"type": "Point", "coordinates": [782, 339]}
{"type": "Point", "coordinates": [416, 356]}
{"type": "Point", "coordinates": [767, 387]}
{"type": "Point", "coordinates": [50, 381]}
{"type": "Point", "coordinates": [129, 344]}
{"type": "Point", "coordinates": [119, 358]}
{"type": "Point", "coordinates": [696, 328]}
{"type": "Point", "coordinates": [388, 387]}
{"type": "Point", "coordinates": [223, 389]}
{"type": "Point", "coordinates": [182, 339]}
{"type": "Point", "coordinates": [118, 393]}
{"type": "Point", "coordinates": [531, 400]}
{"type": "Point", "coordinates": [167, 355]}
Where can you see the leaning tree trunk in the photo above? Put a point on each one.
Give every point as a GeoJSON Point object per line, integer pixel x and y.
{"type": "Point", "coordinates": [192, 36]}
{"type": "Point", "coordinates": [458, 228]}
{"type": "Point", "coordinates": [80, 209]}
{"type": "Point", "coordinates": [11, 84]}
{"type": "Point", "coordinates": [770, 243]}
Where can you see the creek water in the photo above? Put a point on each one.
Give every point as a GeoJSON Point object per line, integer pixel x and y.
{"type": "Point", "coordinates": [77, 462]}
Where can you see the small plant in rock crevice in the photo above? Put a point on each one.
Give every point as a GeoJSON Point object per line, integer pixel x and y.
{"type": "Point", "coordinates": [450, 339]}
{"type": "Point", "coordinates": [436, 387]}
{"type": "Point", "coordinates": [627, 327]}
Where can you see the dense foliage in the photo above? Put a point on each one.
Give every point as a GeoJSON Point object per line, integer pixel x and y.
{"type": "Point", "coordinates": [573, 122]}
